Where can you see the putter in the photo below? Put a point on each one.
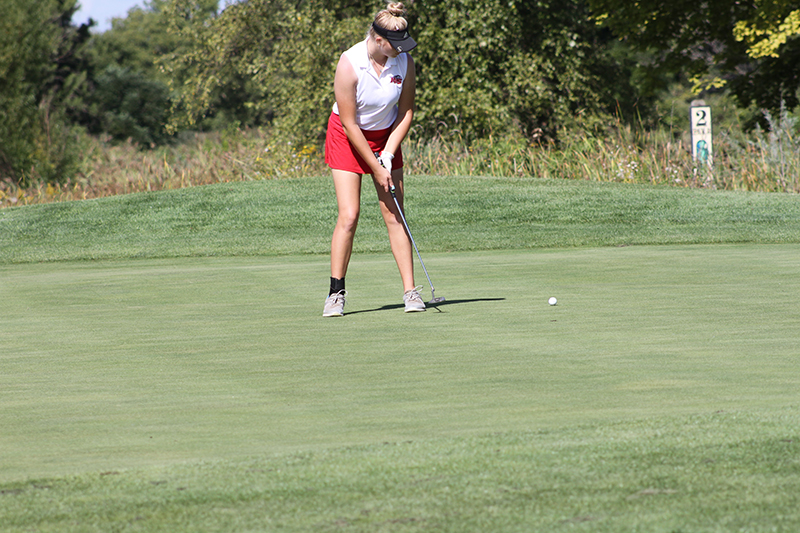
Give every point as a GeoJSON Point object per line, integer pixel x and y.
{"type": "Point", "coordinates": [434, 299]}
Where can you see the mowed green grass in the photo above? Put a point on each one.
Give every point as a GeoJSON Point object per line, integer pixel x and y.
{"type": "Point", "coordinates": [208, 394]}
{"type": "Point", "coordinates": [664, 382]}
{"type": "Point", "coordinates": [290, 217]}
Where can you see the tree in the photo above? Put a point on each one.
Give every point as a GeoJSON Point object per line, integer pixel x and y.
{"type": "Point", "coordinates": [127, 105]}
{"type": "Point", "coordinates": [128, 95]}
{"type": "Point", "coordinates": [498, 66]}
{"type": "Point", "coordinates": [274, 59]}
{"type": "Point", "coordinates": [136, 41]}
{"type": "Point", "coordinates": [750, 47]}
{"type": "Point", "coordinates": [770, 26]}
{"type": "Point", "coordinates": [771, 34]}
{"type": "Point", "coordinates": [40, 74]}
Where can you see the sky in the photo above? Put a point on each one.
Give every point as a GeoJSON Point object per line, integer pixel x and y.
{"type": "Point", "coordinates": [102, 11]}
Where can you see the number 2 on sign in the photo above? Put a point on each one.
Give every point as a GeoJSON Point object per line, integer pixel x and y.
{"type": "Point", "coordinates": [701, 118]}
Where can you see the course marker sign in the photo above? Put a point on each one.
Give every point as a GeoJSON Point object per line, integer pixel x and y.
{"type": "Point", "coordinates": [701, 132]}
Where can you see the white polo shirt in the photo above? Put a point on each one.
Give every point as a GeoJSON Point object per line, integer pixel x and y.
{"type": "Point", "coordinates": [376, 95]}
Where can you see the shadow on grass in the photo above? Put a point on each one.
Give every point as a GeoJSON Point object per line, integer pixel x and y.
{"type": "Point", "coordinates": [430, 307]}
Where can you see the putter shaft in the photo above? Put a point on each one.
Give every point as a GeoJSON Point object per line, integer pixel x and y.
{"type": "Point", "coordinates": [421, 262]}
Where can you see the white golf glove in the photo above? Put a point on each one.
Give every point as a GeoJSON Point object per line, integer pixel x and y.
{"type": "Point", "coordinates": [386, 160]}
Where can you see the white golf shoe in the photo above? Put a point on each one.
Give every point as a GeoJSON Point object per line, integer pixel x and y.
{"type": "Point", "coordinates": [334, 305]}
{"type": "Point", "coordinates": [413, 301]}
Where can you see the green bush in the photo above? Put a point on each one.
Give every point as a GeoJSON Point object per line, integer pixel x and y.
{"type": "Point", "coordinates": [36, 44]}
{"type": "Point", "coordinates": [127, 105]}
{"type": "Point", "coordinates": [502, 67]}
{"type": "Point", "coordinates": [498, 67]}
{"type": "Point", "coordinates": [271, 58]}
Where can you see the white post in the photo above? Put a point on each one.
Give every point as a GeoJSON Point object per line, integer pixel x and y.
{"type": "Point", "coordinates": [702, 148]}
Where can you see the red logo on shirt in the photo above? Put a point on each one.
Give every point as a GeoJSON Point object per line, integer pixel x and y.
{"type": "Point", "coordinates": [397, 79]}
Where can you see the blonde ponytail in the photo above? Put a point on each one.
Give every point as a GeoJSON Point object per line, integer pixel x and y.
{"type": "Point", "coordinates": [392, 18]}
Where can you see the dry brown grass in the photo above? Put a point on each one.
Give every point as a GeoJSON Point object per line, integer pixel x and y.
{"type": "Point", "coordinates": [767, 162]}
{"type": "Point", "coordinates": [199, 159]}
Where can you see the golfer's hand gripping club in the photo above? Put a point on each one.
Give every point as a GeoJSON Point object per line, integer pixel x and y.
{"type": "Point", "coordinates": [387, 164]}
{"type": "Point", "coordinates": [386, 160]}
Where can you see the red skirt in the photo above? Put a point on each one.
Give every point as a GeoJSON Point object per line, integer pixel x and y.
{"type": "Point", "coordinates": [341, 155]}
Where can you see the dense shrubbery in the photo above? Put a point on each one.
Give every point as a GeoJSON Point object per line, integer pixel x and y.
{"type": "Point", "coordinates": [126, 105]}
{"type": "Point", "coordinates": [39, 76]}
{"type": "Point", "coordinates": [494, 68]}
{"type": "Point", "coordinates": [486, 68]}
{"type": "Point", "coordinates": [496, 79]}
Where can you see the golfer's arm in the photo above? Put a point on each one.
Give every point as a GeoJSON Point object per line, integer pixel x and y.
{"type": "Point", "coordinates": [405, 110]}
{"type": "Point", "coordinates": [344, 89]}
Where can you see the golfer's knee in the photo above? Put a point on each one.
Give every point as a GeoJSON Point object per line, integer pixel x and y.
{"type": "Point", "coordinates": [348, 219]}
{"type": "Point", "coordinates": [394, 224]}
{"type": "Point", "coordinates": [393, 218]}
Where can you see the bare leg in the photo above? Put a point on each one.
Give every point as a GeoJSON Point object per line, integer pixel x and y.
{"type": "Point", "coordinates": [398, 239]}
{"type": "Point", "coordinates": [348, 198]}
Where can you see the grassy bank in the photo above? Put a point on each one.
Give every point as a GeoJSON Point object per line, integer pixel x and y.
{"type": "Point", "coordinates": [296, 216]}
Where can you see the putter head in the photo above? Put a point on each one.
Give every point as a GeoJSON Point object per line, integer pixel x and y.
{"type": "Point", "coordinates": [436, 300]}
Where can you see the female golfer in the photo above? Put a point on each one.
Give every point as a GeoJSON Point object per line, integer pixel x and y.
{"type": "Point", "coordinates": [374, 88]}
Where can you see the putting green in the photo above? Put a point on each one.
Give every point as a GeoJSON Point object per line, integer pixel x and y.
{"type": "Point", "coordinates": [109, 365]}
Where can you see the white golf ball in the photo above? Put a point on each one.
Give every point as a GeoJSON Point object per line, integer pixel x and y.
{"type": "Point", "coordinates": [552, 301]}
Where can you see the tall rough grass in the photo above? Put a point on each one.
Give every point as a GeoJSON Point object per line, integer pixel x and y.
{"type": "Point", "coordinates": [762, 161]}
{"type": "Point", "coordinates": [197, 159]}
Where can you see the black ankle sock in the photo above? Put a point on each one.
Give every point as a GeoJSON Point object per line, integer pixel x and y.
{"type": "Point", "coordinates": [337, 285]}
